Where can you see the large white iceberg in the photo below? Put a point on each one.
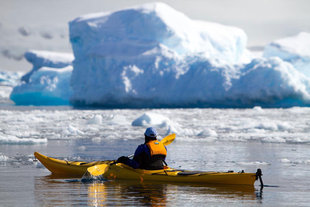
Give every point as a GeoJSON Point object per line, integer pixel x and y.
{"type": "Point", "coordinates": [295, 49]}
{"type": "Point", "coordinates": [134, 56]}
{"type": "Point", "coordinates": [155, 56]}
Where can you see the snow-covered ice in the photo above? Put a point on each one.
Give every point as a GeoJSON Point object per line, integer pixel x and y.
{"type": "Point", "coordinates": [49, 59]}
{"type": "Point", "coordinates": [122, 61]}
{"type": "Point", "coordinates": [143, 57]}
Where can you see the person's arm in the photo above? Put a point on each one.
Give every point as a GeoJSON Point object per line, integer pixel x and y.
{"type": "Point", "coordinates": [135, 162]}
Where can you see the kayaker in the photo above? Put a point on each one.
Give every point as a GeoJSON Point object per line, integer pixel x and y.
{"type": "Point", "coordinates": [150, 155]}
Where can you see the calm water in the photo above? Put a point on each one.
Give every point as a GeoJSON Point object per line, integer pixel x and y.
{"type": "Point", "coordinates": [275, 140]}
{"type": "Point", "coordinates": [25, 182]}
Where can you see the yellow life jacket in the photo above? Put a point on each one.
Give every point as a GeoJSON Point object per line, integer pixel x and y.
{"type": "Point", "coordinates": [156, 148]}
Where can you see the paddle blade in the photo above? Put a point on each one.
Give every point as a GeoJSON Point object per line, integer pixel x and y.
{"type": "Point", "coordinates": [168, 139]}
{"type": "Point", "coordinates": [97, 170]}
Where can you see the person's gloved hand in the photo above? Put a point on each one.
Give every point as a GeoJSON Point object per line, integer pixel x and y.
{"type": "Point", "coordinates": [123, 159]}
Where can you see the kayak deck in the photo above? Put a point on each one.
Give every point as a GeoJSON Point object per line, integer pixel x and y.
{"type": "Point", "coordinates": [121, 171]}
{"type": "Point", "coordinates": [124, 172]}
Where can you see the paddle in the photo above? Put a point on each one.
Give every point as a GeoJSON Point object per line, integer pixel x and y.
{"type": "Point", "coordinates": [97, 170]}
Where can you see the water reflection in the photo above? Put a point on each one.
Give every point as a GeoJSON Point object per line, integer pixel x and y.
{"type": "Point", "coordinates": [162, 194]}
{"type": "Point", "coordinates": [65, 192]}
{"type": "Point", "coordinates": [120, 193]}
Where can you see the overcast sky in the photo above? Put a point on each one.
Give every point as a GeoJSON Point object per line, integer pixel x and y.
{"type": "Point", "coordinates": [43, 24]}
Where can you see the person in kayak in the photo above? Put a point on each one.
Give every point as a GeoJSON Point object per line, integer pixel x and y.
{"type": "Point", "coordinates": [150, 155]}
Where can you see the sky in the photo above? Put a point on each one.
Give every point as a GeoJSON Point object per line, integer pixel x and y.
{"type": "Point", "coordinates": [43, 24]}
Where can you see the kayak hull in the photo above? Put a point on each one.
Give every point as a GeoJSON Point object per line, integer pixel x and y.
{"type": "Point", "coordinates": [124, 172]}
{"type": "Point", "coordinates": [121, 171]}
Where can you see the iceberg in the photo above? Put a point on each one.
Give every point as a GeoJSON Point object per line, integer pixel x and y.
{"type": "Point", "coordinates": [47, 86]}
{"type": "Point", "coordinates": [154, 56]}
{"type": "Point", "coordinates": [295, 50]}
{"type": "Point", "coordinates": [132, 57]}
{"type": "Point", "coordinates": [269, 82]}
{"type": "Point", "coordinates": [48, 83]}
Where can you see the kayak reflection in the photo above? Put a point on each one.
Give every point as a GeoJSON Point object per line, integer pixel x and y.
{"type": "Point", "coordinates": [124, 193]}
{"type": "Point", "coordinates": [161, 194]}
{"type": "Point", "coordinates": [60, 191]}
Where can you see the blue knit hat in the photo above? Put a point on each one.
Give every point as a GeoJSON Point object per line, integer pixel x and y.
{"type": "Point", "coordinates": [150, 132]}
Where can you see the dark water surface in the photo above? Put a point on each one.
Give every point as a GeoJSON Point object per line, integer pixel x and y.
{"type": "Point", "coordinates": [25, 182]}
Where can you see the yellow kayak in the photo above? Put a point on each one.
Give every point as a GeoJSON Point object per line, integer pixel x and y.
{"type": "Point", "coordinates": [121, 171]}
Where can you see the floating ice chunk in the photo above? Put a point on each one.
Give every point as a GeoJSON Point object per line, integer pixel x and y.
{"type": "Point", "coordinates": [295, 50]}
{"type": "Point", "coordinates": [268, 126]}
{"type": "Point", "coordinates": [151, 119]}
{"type": "Point", "coordinates": [47, 86]}
{"type": "Point", "coordinates": [3, 158]}
{"type": "Point", "coordinates": [155, 120]}
{"type": "Point", "coordinates": [72, 131]}
{"type": "Point", "coordinates": [258, 108]}
{"type": "Point", "coordinates": [96, 119]}
{"type": "Point", "coordinates": [207, 133]}
{"type": "Point", "coordinates": [285, 160]}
